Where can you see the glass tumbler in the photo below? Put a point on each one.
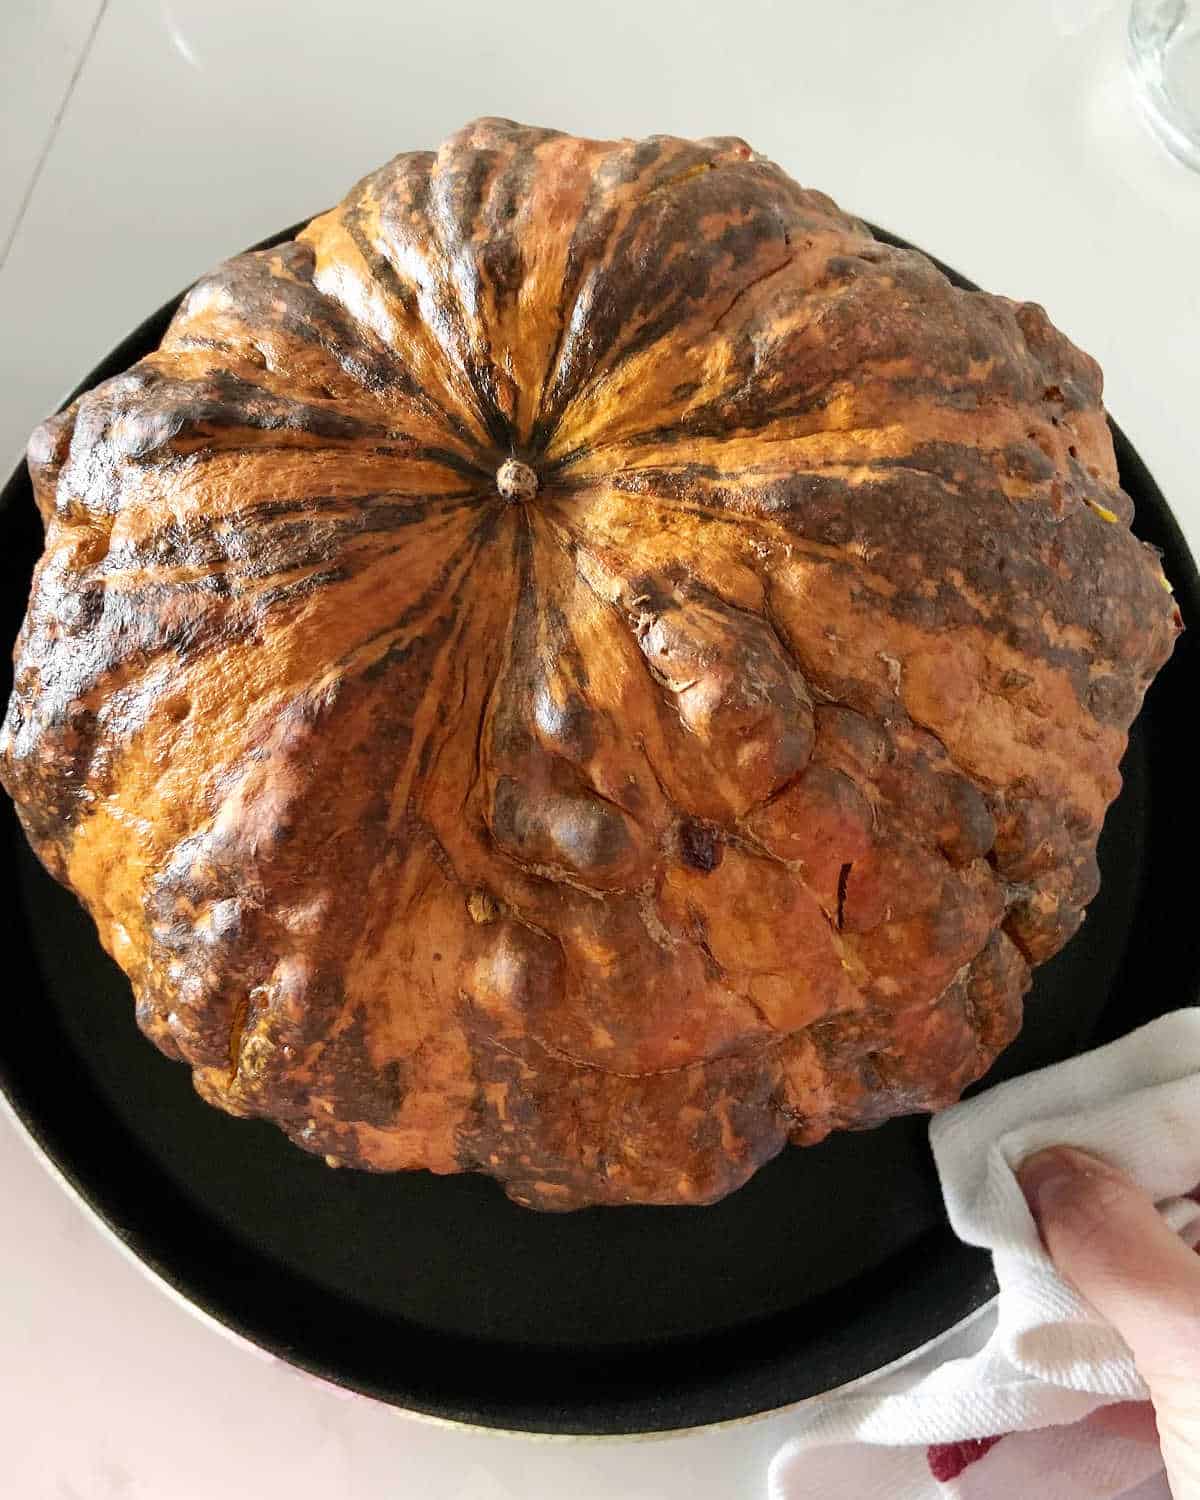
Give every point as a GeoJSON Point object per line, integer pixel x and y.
{"type": "Point", "coordinates": [1164, 52]}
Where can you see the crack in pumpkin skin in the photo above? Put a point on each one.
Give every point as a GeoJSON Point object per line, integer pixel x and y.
{"type": "Point", "coordinates": [605, 832]}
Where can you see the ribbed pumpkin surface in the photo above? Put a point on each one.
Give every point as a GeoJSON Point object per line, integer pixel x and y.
{"type": "Point", "coordinates": [584, 666]}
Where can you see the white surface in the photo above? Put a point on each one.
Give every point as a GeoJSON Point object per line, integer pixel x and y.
{"type": "Point", "coordinates": [1002, 137]}
{"type": "Point", "coordinates": [42, 45]}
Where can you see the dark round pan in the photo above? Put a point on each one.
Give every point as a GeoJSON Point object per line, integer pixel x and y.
{"type": "Point", "coordinates": [438, 1294]}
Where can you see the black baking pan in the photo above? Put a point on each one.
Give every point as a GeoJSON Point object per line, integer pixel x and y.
{"type": "Point", "coordinates": [441, 1296]}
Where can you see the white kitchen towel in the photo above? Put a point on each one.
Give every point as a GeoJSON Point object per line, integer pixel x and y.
{"type": "Point", "coordinates": [1011, 1419]}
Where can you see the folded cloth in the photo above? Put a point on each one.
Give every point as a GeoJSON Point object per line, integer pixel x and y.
{"type": "Point", "coordinates": [1010, 1419]}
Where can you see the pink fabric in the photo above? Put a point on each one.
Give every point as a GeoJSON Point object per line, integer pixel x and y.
{"type": "Point", "coordinates": [948, 1460]}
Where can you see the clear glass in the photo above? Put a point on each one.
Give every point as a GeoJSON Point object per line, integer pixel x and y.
{"type": "Point", "coordinates": [1164, 52]}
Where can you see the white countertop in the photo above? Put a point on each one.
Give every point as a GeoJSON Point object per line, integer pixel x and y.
{"type": "Point", "coordinates": [145, 139]}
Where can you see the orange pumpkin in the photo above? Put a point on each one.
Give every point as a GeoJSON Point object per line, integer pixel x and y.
{"type": "Point", "coordinates": [584, 666]}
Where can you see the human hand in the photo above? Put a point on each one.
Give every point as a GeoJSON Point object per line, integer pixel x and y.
{"type": "Point", "coordinates": [1106, 1237]}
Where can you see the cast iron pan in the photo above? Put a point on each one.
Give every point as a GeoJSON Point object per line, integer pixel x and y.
{"type": "Point", "coordinates": [439, 1295]}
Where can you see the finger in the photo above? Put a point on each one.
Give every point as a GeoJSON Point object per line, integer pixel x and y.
{"type": "Point", "coordinates": [1107, 1237]}
{"type": "Point", "coordinates": [1132, 1420]}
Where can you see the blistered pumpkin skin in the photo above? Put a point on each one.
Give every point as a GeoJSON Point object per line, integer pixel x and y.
{"type": "Point", "coordinates": [584, 667]}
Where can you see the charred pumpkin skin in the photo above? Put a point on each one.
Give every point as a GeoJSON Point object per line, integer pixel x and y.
{"type": "Point", "coordinates": [584, 666]}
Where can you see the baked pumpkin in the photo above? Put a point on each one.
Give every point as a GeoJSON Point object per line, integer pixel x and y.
{"type": "Point", "coordinates": [583, 666]}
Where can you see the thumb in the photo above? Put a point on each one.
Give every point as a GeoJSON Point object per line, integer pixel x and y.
{"type": "Point", "coordinates": [1106, 1236]}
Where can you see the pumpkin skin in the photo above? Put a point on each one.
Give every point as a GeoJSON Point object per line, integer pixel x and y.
{"type": "Point", "coordinates": [585, 666]}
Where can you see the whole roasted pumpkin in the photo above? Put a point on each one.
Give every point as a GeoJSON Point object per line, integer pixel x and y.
{"type": "Point", "coordinates": [584, 666]}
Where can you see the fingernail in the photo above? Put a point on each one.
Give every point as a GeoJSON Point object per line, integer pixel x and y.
{"type": "Point", "coordinates": [1045, 1174]}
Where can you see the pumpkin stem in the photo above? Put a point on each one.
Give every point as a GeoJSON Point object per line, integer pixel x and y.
{"type": "Point", "coordinates": [516, 481]}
